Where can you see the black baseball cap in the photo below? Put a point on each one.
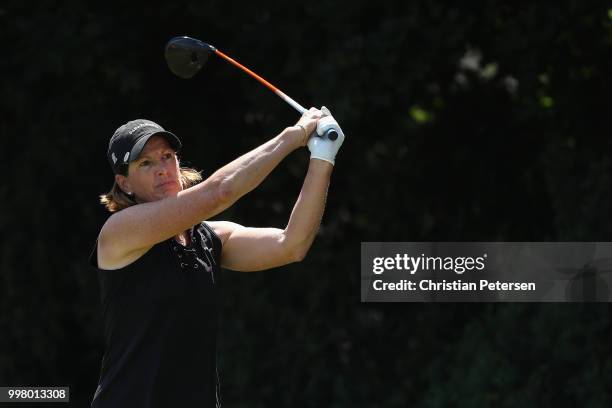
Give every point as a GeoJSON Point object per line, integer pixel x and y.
{"type": "Point", "coordinates": [129, 140]}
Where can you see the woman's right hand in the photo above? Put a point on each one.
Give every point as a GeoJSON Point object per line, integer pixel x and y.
{"type": "Point", "coordinates": [307, 125]}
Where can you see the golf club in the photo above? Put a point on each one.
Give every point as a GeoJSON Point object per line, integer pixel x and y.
{"type": "Point", "coordinates": [186, 56]}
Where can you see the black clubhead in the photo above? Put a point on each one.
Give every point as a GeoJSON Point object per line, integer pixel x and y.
{"type": "Point", "coordinates": [186, 56]}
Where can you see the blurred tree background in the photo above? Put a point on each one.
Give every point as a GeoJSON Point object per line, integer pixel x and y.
{"type": "Point", "coordinates": [487, 121]}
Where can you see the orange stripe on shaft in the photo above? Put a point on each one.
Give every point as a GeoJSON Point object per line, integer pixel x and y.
{"type": "Point", "coordinates": [248, 71]}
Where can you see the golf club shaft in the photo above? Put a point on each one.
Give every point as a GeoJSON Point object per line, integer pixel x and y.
{"type": "Point", "coordinates": [271, 87]}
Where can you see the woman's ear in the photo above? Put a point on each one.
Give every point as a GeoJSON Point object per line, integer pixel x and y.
{"type": "Point", "coordinates": [123, 183]}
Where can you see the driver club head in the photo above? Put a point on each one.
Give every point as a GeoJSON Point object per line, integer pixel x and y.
{"type": "Point", "coordinates": [186, 56]}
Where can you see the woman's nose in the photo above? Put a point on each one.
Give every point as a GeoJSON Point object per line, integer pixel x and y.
{"type": "Point", "coordinates": [161, 169]}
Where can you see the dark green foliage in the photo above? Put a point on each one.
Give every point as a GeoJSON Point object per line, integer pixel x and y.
{"type": "Point", "coordinates": [487, 122]}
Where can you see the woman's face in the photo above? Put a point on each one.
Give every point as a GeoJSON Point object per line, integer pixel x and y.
{"type": "Point", "coordinates": [155, 174]}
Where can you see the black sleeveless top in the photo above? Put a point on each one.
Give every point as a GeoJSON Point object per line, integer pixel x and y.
{"type": "Point", "coordinates": [160, 325]}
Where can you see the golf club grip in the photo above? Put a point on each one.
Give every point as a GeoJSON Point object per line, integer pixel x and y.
{"type": "Point", "coordinates": [332, 134]}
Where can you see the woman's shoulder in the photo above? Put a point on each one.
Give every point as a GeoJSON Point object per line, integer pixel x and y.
{"type": "Point", "coordinates": [222, 229]}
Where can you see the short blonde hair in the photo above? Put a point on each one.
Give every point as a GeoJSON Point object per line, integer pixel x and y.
{"type": "Point", "coordinates": [116, 199]}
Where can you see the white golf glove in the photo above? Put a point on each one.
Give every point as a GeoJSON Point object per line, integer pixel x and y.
{"type": "Point", "coordinates": [320, 144]}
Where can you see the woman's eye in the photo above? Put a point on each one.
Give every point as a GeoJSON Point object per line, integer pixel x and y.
{"type": "Point", "coordinates": [144, 163]}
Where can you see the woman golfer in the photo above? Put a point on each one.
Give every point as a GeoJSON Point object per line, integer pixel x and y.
{"type": "Point", "coordinates": [158, 260]}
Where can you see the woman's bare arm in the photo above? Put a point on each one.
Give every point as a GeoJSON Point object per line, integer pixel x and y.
{"type": "Point", "coordinates": [254, 249]}
{"type": "Point", "coordinates": [142, 226]}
